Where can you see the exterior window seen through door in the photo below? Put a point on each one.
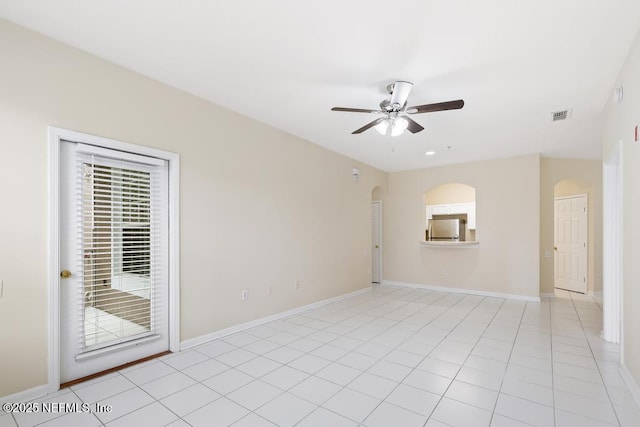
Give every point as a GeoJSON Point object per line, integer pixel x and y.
{"type": "Point", "coordinates": [116, 209]}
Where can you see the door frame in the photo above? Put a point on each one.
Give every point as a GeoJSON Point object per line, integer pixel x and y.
{"type": "Point", "coordinates": [584, 196]}
{"type": "Point", "coordinates": [55, 138]}
{"type": "Point", "coordinates": [379, 203]}
{"type": "Point", "coordinates": [612, 283]}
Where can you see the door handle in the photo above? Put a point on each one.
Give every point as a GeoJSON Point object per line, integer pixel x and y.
{"type": "Point", "coordinates": [65, 274]}
{"type": "Point", "coordinates": [555, 248]}
{"type": "Point", "coordinates": [377, 246]}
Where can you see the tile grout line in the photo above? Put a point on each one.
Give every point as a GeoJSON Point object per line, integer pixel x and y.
{"type": "Point", "coordinates": [380, 359]}
{"type": "Point", "coordinates": [346, 386]}
{"type": "Point", "coordinates": [606, 388]}
{"type": "Point", "coordinates": [424, 357]}
{"type": "Point", "coordinates": [467, 357]}
{"type": "Point", "coordinates": [427, 355]}
{"type": "Point", "coordinates": [493, 412]}
{"type": "Point", "coordinates": [138, 386]}
{"type": "Point", "coordinates": [287, 364]}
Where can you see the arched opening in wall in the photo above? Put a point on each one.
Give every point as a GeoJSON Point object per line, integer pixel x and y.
{"type": "Point", "coordinates": [376, 235]}
{"type": "Point", "coordinates": [450, 213]}
{"type": "Point", "coordinates": [571, 246]}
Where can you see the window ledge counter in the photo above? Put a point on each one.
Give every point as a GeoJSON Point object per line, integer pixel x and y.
{"type": "Point", "coordinates": [445, 244]}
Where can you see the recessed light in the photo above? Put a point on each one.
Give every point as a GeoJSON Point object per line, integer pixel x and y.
{"type": "Point", "coordinates": [429, 153]}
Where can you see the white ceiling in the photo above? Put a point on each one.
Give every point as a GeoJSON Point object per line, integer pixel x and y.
{"type": "Point", "coordinates": [287, 62]}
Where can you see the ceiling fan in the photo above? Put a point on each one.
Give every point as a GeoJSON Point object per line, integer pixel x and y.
{"type": "Point", "coordinates": [395, 111]}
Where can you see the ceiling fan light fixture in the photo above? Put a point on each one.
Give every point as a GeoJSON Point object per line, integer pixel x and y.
{"type": "Point", "coordinates": [399, 126]}
{"type": "Point", "coordinates": [382, 127]}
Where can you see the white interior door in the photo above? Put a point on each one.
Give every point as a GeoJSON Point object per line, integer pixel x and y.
{"type": "Point", "coordinates": [113, 259]}
{"type": "Point", "coordinates": [376, 241]}
{"type": "Point", "coordinates": [570, 239]}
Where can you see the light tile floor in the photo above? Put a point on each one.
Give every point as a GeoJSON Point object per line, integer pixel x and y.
{"type": "Point", "coordinates": [393, 357]}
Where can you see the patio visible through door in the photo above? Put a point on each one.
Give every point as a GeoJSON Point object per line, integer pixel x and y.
{"type": "Point", "coordinates": [113, 258]}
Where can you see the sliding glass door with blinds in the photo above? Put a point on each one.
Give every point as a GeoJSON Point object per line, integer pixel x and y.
{"type": "Point", "coordinates": [114, 258]}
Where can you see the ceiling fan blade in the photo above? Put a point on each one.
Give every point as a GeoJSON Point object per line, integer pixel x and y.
{"type": "Point", "coordinates": [413, 127]}
{"type": "Point", "coordinates": [440, 106]}
{"type": "Point", "coordinates": [369, 125]}
{"type": "Point", "coordinates": [355, 110]}
{"type": "Point", "coordinates": [400, 94]}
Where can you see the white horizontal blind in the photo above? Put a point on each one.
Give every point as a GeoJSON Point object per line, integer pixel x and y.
{"type": "Point", "coordinates": [122, 231]}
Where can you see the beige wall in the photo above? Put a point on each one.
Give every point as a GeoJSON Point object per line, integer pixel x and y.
{"type": "Point", "coordinates": [259, 208]}
{"type": "Point", "coordinates": [564, 177]}
{"type": "Point", "coordinates": [450, 193]}
{"type": "Point", "coordinates": [620, 120]}
{"type": "Point", "coordinates": [507, 211]}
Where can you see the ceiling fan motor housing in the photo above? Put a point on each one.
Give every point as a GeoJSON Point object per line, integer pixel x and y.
{"type": "Point", "coordinates": [387, 107]}
{"type": "Point", "coordinates": [399, 92]}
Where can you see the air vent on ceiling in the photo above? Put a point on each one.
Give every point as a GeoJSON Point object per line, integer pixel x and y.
{"type": "Point", "coordinates": [560, 115]}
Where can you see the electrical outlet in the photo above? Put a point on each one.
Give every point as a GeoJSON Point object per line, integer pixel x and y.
{"type": "Point", "coordinates": [245, 295]}
{"type": "Point", "coordinates": [446, 271]}
{"type": "Point", "coordinates": [297, 285]}
{"type": "Point", "coordinates": [547, 254]}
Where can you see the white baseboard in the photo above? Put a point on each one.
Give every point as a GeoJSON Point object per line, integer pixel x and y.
{"type": "Point", "coordinates": [632, 384]}
{"type": "Point", "coordinates": [592, 294]}
{"type": "Point", "coordinates": [28, 395]}
{"type": "Point", "coordinates": [462, 291]}
{"type": "Point", "coordinates": [193, 342]}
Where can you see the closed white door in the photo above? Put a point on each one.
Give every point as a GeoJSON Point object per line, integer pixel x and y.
{"type": "Point", "coordinates": [113, 259]}
{"type": "Point", "coordinates": [376, 241]}
{"type": "Point", "coordinates": [570, 240]}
